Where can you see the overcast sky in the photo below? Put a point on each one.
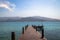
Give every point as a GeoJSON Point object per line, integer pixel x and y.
{"type": "Point", "coordinates": [26, 8]}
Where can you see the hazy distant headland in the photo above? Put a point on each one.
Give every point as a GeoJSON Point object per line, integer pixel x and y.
{"type": "Point", "coordinates": [34, 18]}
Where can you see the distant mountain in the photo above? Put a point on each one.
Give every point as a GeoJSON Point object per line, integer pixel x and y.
{"type": "Point", "coordinates": [34, 18]}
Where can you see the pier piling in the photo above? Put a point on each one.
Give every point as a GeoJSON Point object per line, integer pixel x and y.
{"type": "Point", "coordinates": [12, 35]}
{"type": "Point", "coordinates": [42, 32]}
{"type": "Point", "coordinates": [22, 30]}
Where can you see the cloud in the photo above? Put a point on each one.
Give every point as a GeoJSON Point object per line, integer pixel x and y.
{"type": "Point", "coordinates": [7, 5]}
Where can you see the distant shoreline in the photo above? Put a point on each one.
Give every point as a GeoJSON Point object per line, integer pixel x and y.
{"type": "Point", "coordinates": [28, 19]}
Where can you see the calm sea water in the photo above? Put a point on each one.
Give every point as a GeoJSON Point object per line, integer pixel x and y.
{"type": "Point", "coordinates": [52, 29]}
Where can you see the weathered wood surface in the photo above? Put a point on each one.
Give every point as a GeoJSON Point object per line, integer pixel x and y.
{"type": "Point", "coordinates": [31, 34]}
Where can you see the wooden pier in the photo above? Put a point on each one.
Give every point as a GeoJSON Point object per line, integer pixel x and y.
{"type": "Point", "coordinates": [32, 33]}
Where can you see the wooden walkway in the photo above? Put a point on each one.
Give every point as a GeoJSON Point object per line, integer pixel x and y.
{"type": "Point", "coordinates": [31, 34]}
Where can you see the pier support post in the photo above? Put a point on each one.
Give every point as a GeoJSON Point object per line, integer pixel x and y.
{"type": "Point", "coordinates": [26, 27]}
{"type": "Point", "coordinates": [12, 35]}
{"type": "Point", "coordinates": [42, 32]}
{"type": "Point", "coordinates": [22, 30]}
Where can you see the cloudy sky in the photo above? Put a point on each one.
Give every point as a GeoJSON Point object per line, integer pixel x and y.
{"type": "Point", "coordinates": [26, 8]}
